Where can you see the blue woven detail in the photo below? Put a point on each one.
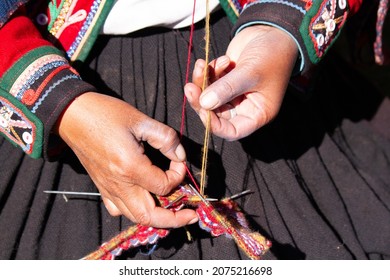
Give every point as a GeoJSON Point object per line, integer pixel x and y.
{"type": "Point", "coordinates": [7, 7]}
{"type": "Point", "coordinates": [282, 2]}
{"type": "Point", "coordinates": [84, 29]}
{"type": "Point", "coordinates": [50, 89]}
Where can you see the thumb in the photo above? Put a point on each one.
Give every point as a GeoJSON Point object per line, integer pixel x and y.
{"type": "Point", "coordinates": [227, 88]}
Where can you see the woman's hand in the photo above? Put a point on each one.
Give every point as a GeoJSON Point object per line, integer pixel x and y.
{"type": "Point", "coordinates": [106, 134]}
{"type": "Point", "coordinates": [247, 85]}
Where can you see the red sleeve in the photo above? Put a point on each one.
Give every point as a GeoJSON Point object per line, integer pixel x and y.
{"type": "Point", "coordinates": [354, 5]}
{"type": "Point", "coordinates": [36, 84]}
{"type": "Point", "coordinates": [18, 37]}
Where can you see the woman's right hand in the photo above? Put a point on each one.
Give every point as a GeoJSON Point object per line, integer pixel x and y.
{"type": "Point", "coordinates": [247, 85]}
{"type": "Point", "coordinates": [107, 134]}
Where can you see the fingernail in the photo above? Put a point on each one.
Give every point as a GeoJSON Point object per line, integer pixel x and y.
{"type": "Point", "coordinates": [208, 100]}
{"type": "Point", "coordinates": [198, 68]}
{"type": "Point", "coordinates": [180, 153]}
{"type": "Point", "coordinates": [188, 94]}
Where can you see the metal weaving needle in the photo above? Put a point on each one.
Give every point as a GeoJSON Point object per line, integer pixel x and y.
{"type": "Point", "coordinates": [198, 194]}
{"type": "Point", "coordinates": [240, 194]}
{"type": "Point", "coordinates": [98, 194]}
{"type": "Point", "coordinates": [72, 193]}
{"type": "Point", "coordinates": [208, 199]}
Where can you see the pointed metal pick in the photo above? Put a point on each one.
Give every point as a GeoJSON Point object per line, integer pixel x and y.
{"type": "Point", "coordinates": [72, 193]}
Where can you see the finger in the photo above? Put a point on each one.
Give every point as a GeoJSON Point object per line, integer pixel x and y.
{"type": "Point", "coordinates": [111, 207]}
{"type": "Point", "coordinates": [227, 88]}
{"type": "Point", "coordinates": [230, 130]}
{"type": "Point", "coordinates": [192, 93]}
{"type": "Point", "coordinates": [139, 206]}
{"type": "Point", "coordinates": [226, 111]}
{"type": "Point", "coordinates": [164, 218]}
{"type": "Point", "coordinates": [217, 68]}
{"type": "Point", "coordinates": [153, 179]}
{"type": "Point", "coordinates": [198, 72]}
{"type": "Point", "coordinates": [163, 138]}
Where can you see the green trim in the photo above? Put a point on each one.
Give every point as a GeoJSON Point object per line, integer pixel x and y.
{"type": "Point", "coordinates": [95, 32]}
{"type": "Point", "coordinates": [37, 145]}
{"type": "Point", "coordinates": [13, 73]}
{"type": "Point", "coordinates": [305, 33]}
{"type": "Point", "coordinates": [229, 11]}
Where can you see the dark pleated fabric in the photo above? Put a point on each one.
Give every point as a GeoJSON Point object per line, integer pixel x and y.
{"type": "Point", "coordinates": [319, 173]}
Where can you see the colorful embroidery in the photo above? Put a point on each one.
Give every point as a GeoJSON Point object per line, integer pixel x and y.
{"type": "Point", "coordinates": [232, 8]}
{"type": "Point", "coordinates": [35, 71]}
{"type": "Point", "coordinates": [85, 28]}
{"type": "Point", "coordinates": [27, 84]}
{"type": "Point", "coordinates": [321, 25]}
{"type": "Point", "coordinates": [59, 16]}
{"type": "Point", "coordinates": [19, 125]}
{"type": "Point", "coordinates": [75, 24]}
{"type": "Point", "coordinates": [221, 217]}
{"type": "Point", "coordinates": [55, 9]}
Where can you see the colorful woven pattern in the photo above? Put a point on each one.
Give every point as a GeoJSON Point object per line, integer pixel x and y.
{"type": "Point", "coordinates": [218, 218]}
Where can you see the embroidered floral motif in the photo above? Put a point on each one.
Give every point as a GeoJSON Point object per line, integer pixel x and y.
{"type": "Point", "coordinates": [67, 17]}
{"type": "Point", "coordinates": [55, 9]}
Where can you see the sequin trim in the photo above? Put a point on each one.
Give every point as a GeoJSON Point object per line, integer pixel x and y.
{"type": "Point", "coordinates": [86, 26]}
{"type": "Point", "coordinates": [20, 126]}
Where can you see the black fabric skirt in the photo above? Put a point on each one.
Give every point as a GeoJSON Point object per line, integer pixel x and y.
{"type": "Point", "coordinates": [319, 173]}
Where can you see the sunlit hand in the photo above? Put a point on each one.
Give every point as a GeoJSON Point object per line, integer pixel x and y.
{"type": "Point", "coordinates": [107, 134]}
{"type": "Point", "coordinates": [247, 86]}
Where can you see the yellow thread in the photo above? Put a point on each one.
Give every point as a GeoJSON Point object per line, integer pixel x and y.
{"type": "Point", "coordinates": [16, 135]}
{"type": "Point", "coordinates": [206, 139]}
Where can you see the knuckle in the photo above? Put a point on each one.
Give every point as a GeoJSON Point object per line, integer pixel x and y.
{"type": "Point", "coordinates": [162, 188]}
{"type": "Point", "coordinates": [122, 167]}
{"type": "Point", "coordinates": [144, 219]}
{"type": "Point", "coordinates": [227, 88]}
{"type": "Point", "coordinates": [169, 139]}
{"type": "Point", "coordinates": [264, 115]}
{"type": "Point", "coordinates": [170, 136]}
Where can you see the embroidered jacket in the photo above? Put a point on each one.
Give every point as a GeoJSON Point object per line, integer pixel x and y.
{"type": "Point", "coordinates": [42, 40]}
